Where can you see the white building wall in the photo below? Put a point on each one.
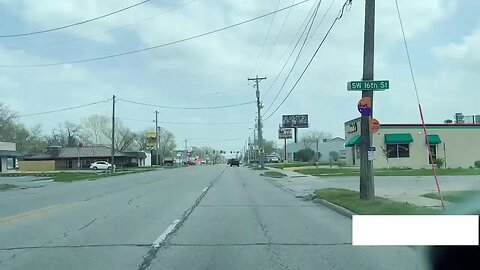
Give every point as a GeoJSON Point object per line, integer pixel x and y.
{"type": "Point", "coordinates": [148, 160]}
{"type": "Point", "coordinates": [461, 143]}
{"type": "Point", "coordinates": [8, 146]}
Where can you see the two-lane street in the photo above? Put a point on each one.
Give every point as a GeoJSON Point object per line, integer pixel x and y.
{"type": "Point", "coordinates": [203, 217]}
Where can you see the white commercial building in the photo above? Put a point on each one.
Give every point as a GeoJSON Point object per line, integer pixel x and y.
{"type": "Point", "coordinates": [324, 148]}
{"type": "Point", "coordinates": [404, 145]}
{"type": "Point", "coordinates": [8, 156]}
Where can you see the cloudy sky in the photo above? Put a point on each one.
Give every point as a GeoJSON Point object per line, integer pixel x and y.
{"type": "Point", "coordinates": [443, 37]}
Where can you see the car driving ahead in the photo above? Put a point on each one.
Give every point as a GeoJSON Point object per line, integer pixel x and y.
{"type": "Point", "coordinates": [234, 162]}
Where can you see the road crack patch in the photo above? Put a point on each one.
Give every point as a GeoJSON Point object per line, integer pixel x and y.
{"type": "Point", "coordinates": [88, 224]}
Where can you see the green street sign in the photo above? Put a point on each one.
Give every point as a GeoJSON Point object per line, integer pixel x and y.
{"type": "Point", "coordinates": [367, 85]}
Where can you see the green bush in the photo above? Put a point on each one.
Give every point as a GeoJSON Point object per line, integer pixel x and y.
{"type": "Point", "coordinates": [477, 164]}
{"type": "Point", "coordinates": [439, 162]}
{"type": "Point", "coordinates": [305, 155]}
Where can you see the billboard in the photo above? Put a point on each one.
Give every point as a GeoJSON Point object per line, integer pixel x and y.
{"type": "Point", "coordinates": [151, 139]}
{"type": "Point", "coordinates": [295, 121]}
{"type": "Point", "coordinates": [284, 133]}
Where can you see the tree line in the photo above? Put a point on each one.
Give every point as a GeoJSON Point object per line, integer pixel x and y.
{"type": "Point", "coordinates": [93, 130]}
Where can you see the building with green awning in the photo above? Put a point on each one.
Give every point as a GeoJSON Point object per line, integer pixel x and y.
{"type": "Point", "coordinates": [405, 145]}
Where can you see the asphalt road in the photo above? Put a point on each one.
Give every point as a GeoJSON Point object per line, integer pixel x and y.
{"type": "Point", "coordinates": [205, 217]}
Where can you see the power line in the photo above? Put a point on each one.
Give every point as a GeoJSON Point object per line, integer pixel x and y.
{"type": "Point", "coordinates": [306, 21]}
{"type": "Point", "coordinates": [339, 16]}
{"type": "Point", "coordinates": [314, 15]}
{"type": "Point", "coordinates": [65, 109]}
{"type": "Point", "coordinates": [434, 170]}
{"type": "Point", "coordinates": [74, 24]}
{"type": "Point", "coordinates": [186, 123]}
{"type": "Point", "coordinates": [108, 31]}
{"type": "Point", "coordinates": [215, 140]}
{"type": "Point", "coordinates": [276, 38]}
{"type": "Point", "coordinates": [157, 46]}
{"type": "Point", "coordinates": [308, 41]}
{"type": "Point", "coordinates": [187, 108]}
{"type": "Point", "coordinates": [266, 37]}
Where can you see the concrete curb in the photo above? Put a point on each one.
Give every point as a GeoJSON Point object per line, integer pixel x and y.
{"type": "Point", "coordinates": [340, 210]}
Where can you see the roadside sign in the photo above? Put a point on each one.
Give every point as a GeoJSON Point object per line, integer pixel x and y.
{"type": "Point", "coordinates": [151, 139]}
{"type": "Point", "coordinates": [284, 133]}
{"type": "Point", "coordinates": [295, 121]}
{"type": "Point", "coordinates": [368, 85]}
{"type": "Point", "coordinates": [371, 153]}
{"type": "Point", "coordinates": [365, 106]}
{"type": "Point", "coordinates": [374, 125]}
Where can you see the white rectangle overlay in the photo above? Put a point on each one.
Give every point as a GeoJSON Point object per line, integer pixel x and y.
{"type": "Point", "coordinates": [415, 230]}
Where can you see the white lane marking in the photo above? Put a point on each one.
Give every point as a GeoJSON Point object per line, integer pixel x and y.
{"type": "Point", "coordinates": [205, 189]}
{"type": "Point", "coordinates": [9, 198]}
{"type": "Point", "coordinates": [164, 235]}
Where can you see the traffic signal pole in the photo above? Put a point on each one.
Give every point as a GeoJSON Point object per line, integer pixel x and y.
{"type": "Point", "coordinates": [367, 188]}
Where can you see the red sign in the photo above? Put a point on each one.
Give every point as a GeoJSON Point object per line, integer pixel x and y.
{"type": "Point", "coordinates": [365, 106]}
{"type": "Point", "coordinates": [374, 125]}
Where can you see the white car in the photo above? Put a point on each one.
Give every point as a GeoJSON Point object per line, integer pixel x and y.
{"type": "Point", "coordinates": [101, 165]}
{"type": "Point", "coordinates": [274, 159]}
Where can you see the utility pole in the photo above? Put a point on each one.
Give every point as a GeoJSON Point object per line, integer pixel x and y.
{"type": "Point", "coordinates": [186, 150]}
{"type": "Point", "coordinates": [259, 122]}
{"type": "Point", "coordinates": [367, 188]}
{"type": "Point", "coordinates": [156, 136]}
{"type": "Point", "coordinates": [112, 159]}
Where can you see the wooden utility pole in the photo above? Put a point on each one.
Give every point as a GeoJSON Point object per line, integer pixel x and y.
{"type": "Point", "coordinates": [259, 122]}
{"type": "Point", "coordinates": [157, 139]}
{"type": "Point", "coordinates": [112, 169]}
{"type": "Point", "coordinates": [367, 188]}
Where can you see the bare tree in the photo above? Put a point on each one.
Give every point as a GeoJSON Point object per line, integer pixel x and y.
{"type": "Point", "coordinates": [7, 123]}
{"type": "Point", "coordinates": [315, 137]}
{"type": "Point", "coordinates": [167, 143]}
{"type": "Point", "coordinates": [94, 129]}
{"type": "Point", "coordinates": [125, 139]}
{"type": "Point", "coordinates": [65, 135]}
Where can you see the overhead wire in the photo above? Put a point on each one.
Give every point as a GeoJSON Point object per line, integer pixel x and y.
{"type": "Point", "coordinates": [276, 37]}
{"type": "Point", "coordinates": [186, 123]}
{"type": "Point", "coordinates": [305, 21]}
{"type": "Point", "coordinates": [434, 170]}
{"type": "Point", "coordinates": [314, 15]}
{"type": "Point", "coordinates": [157, 46]}
{"type": "Point", "coordinates": [339, 16]}
{"type": "Point", "coordinates": [73, 24]}
{"type": "Point", "coordinates": [266, 37]}
{"type": "Point", "coordinates": [64, 109]}
{"type": "Point", "coordinates": [107, 31]}
{"type": "Point", "coordinates": [187, 108]}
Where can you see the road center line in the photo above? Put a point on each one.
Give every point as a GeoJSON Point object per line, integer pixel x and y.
{"type": "Point", "coordinates": [164, 235]}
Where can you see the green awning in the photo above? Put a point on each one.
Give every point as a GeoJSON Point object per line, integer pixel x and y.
{"type": "Point", "coordinates": [355, 140]}
{"type": "Point", "coordinates": [434, 139]}
{"type": "Point", "coordinates": [398, 138]}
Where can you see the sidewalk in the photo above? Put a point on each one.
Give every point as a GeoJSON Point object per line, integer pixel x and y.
{"type": "Point", "coordinates": [396, 188]}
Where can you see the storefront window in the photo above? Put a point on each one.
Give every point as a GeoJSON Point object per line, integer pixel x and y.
{"type": "Point", "coordinates": [433, 150]}
{"type": "Point", "coordinates": [10, 163]}
{"type": "Point", "coordinates": [398, 150]}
